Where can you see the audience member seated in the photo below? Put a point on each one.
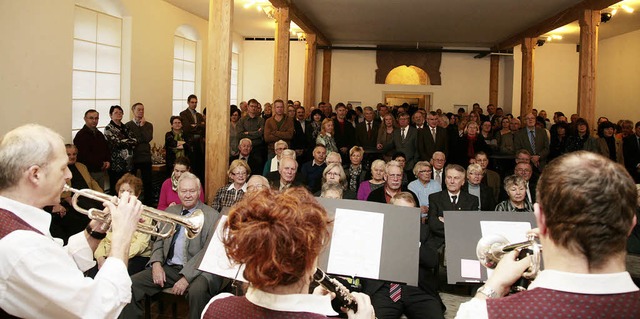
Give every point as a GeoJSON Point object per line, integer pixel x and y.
{"type": "Point", "coordinates": [334, 158]}
{"type": "Point", "coordinates": [175, 260]}
{"type": "Point", "coordinates": [583, 139]}
{"type": "Point", "coordinates": [516, 188]}
{"type": "Point", "coordinates": [423, 186]}
{"type": "Point", "coordinates": [140, 248]}
{"type": "Point", "coordinates": [280, 277]}
{"type": "Point", "coordinates": [233, 192]}
{"type": "Point", "coordinates": [312, 171]}
{"type": "Point", "coordinates": [66, 221]}
{"type": "Point", "coordinates": [584, 214]}
{"type": "Point", "coordinates": [355, 171]}
{"type": "Point", "coordinates": [169, 190]}
{"type": "Point", "coordinates": [334, 174]}
{"type": "Point", "coordinates": [393, 184]}
{"type": "Point", "coordinates": [438, 161]}
{"type": "Point", "coordinates": [256, 183]}
{"type": "Point", "coordinates": [477, 189]}
{"type": "Point", "coordinates": [376, 181]}
{"type": "Point", "coordinates": [489, 177]}
{"type": "Point", "coordinates": [274, 161]}
{"type": "Point", "coordinates": [331, 190]}
{"type": "Point", "coordinates": [288, 173]}
{"type": "Point", "coordinates": [274, 176]}
{"type": "Point", "coordinates": [245, 154]}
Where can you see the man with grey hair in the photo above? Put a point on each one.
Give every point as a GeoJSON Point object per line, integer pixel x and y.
{"type": "Point", "coordinates": [174, 260]}
{"type": "Point", "coordinates": [34, 266]}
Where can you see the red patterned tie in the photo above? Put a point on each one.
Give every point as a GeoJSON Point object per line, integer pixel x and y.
{"type": "Point", "coordinates": [395, 292]}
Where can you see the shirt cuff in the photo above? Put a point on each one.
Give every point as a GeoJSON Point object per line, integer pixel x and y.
{"type": "Point", "coordinates": [115, 271]}
{"type": "Point", "coordinates": [78, 248]}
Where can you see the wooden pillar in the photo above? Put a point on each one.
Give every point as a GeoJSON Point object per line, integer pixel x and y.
{"type": "Point", "coordinates": [217, 85]}
{"type": "Point", "coordinates": [281, 64]}
{"type": "Point", "coordinates": [494, 78]}
{"type": "Point", "coordinates": [326, 75]}
{"type": "Point", "coordinates": [589, 22]}
{"type": "Point", "coordinates": [310, 72]}
{"type": "Point", "coordinates": [526, 90]}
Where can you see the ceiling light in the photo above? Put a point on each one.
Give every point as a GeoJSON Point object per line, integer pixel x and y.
{"type": "Point", "coordinates": [627, 8]}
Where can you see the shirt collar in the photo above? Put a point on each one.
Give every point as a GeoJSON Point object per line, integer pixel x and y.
{"type": "Point", "coordinates": [243, 188]}
{"type": "Point", "coordinates": [37, 218]}
{"type": "Point", "coordinates": [291, 302]}
{"type": "Point", "coordinates": [584, 283]}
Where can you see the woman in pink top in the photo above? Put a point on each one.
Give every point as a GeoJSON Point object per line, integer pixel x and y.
{"type": "Point", "coordinates": [168, 192]}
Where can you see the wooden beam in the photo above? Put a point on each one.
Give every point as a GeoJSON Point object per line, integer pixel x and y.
{"type": "Point", "coordinates": [310, 73]}
{"type": "Point", "coordinates": [562, 18]}
{"type": "Point", "coordinates": [526, 91]}
{"type": "Point", "coordinates": [589, 24]}
{"type": "Point", "coordinates": [218, 88]}
{"type": "Point", "coordinates": [494, 79]}
{"type": "Point", "coordinates": [281, 64]}
{"type": "Point", "coordinates": [302, 21]}
{"type": "Point", "coordinates": [326, 75]}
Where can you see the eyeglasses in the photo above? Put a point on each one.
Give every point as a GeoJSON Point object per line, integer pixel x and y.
{"type": "Point", "coordinates": [333, 174]}
{"type": "Point", "coordinates": [239, 174]}
{"type": "Point", "coordinates": [394, 175]}
{"type": "Point", "coordinates": [424, 171]}
{"type": "Point", "coordinates": [256, 187]}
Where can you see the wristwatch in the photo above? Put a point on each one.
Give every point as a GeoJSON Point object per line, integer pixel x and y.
{"type": "Point", "coordinates": [488, 291]}
{"type": "Point", "coordinates": [94, 233]}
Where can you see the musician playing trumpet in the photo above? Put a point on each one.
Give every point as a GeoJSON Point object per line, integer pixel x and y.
{"type": "Point", "coordinates": [39, 278]}
{"type": "Point", "coordinates": [585, 212]}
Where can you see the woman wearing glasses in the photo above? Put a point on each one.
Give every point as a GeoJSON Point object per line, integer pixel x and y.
{"type": "Point", "coordinates": [231, 193]}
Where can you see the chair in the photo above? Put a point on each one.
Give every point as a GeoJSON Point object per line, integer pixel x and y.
{"type": "Point", "coordinates": [166, 295]}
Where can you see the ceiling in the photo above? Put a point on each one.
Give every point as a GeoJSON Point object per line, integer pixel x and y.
{"type": "Point", "coordinates": [421, 23]}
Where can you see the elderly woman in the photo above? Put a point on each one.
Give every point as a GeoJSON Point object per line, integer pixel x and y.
{"type": "Point", "coordinates": [291, 230]}
{"type": "Point", "coordinates": [331, 190]}
{"type": "Point", "coordinates": [334, 174]}
{"type": "Point", "coordinates": [175, 141]}
{"type": "Point", "coordinates": [516, 188]}
{"type": "Point", "coordinates": [121, 143]}
{"type": "Point", "coordinates": [385, 135]}
{"type": "Point", "coordinates": [140, 249]}
{"type": "Point", "coordinates": [169, 190]}
{"type": "Point", "coordinates": [273, 162]}
{"type": "Point", "coordinates": [326, 136]}
{"type": "Point", "coordinates": [423, 186]}
{"type": "Point", "coordinates": [482, 191]}
{"type": "Point", "coordinates": [355, 171]}
{"type": "Point", "coordinates": [231, 193]}
{"type": "Point", "coordinates": [376, 181]}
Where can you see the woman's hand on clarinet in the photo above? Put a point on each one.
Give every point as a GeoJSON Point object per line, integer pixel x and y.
{"type": "Point", "coordinates": [365, 309]}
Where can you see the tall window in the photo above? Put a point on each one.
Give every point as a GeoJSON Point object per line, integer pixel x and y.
{"type": "Point", "coordinates": [184, 72]}
{"type": "Point", "coordinates": [97, 50]}
{"type": "Point", "coordinates": [234, 77]}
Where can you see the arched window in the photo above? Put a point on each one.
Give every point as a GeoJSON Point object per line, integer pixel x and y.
{"type": "Point", "coordinates": [408, 75]}
{"type": "Point", "coordinates": [97, 63]}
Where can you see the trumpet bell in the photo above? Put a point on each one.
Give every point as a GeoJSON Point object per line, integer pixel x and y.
{"type": "Point", "coordinates": [489, 250]}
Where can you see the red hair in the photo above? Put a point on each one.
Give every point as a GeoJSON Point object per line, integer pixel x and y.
{"type": "Point", "coordinates": [278, 236]}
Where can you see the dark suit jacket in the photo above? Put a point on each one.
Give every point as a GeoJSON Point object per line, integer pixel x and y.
{"type": "Point", "coordinates": [440, 202]}
{"type": "Point", "coordinates": [362, 137]}
{"type": "Point", "coordinates": [194, 249]}
{"type": "Point", "coordinates": [521, 141]}
{"type": "Point", "coordinates": [631, 155]}
{"type": "Point", "coordinates": [345, 135]}
{"type": "Point", "coordinates": [487, 201]}
{"type": "Point", "coordinates": [406, 146]}
{"type": "Point", "coordinates": [378, 195]}
{"type": "Point", "coordinates": [426, 145]}
{"type": "Point", "coordinates": [253, 162]}
{"type": "Point", "coordinates": [187, 122]}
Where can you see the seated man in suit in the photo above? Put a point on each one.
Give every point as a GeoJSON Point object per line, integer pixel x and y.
{"type": "Point", "coordinates": [174, 260]}
{"type": "Point", "coordinates": [451, 198]}
{"type": "Point", "coordinates": [489, 177]}
{"type": "Point", "coordinates": [393, 184]}
{"type": "Point", "coordinates": [584, 247]}
{"type": "Point", "coordinates": [244, 150]}
{"type": "Point", "coordinates": [288, 170]}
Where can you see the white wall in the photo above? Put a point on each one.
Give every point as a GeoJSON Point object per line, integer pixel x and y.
{"type": "Point", "coordinates": [618, 78]}
{"type": "Point", "coordinates": [555, 82]}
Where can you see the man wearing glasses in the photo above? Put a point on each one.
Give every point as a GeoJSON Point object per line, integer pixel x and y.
{"type": "Point", "coordinates": [393, 184]}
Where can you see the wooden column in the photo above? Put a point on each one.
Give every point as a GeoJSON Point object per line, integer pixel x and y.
{"type": "Point", "coordinates": [217, 85]}
{"type": "Point", "coordinates": [281, 64]}
{"type": "Point", "coordinates": [526, 89]}
{"type": "Point", "coordinates": [589, 22]}
{"type": "Point", "coordinates": [326, 75]}
{"type": "Point", "coordinates": [310, 73]}
{"type": "Point", "coordinates": [494, 80]}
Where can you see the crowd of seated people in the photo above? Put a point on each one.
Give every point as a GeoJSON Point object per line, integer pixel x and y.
{"type": "Point", "coordinates": [430, 160]}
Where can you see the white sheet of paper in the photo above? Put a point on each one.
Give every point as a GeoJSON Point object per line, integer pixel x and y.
{"type": "Point", "coordinates": [215, 259]}
{"type": "Point", "coordinates": [356, 243]}
{"type": "Point", "coordinates": [470, 268]}
{"type": "Point", "coordinates": [514, 232]}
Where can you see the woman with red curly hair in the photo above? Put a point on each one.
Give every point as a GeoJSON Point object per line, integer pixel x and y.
{"type": "Point", "coordinates": [278, 237]}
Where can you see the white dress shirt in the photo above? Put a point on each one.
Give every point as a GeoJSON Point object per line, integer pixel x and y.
{"type": "Point", "coordinates": [39, 278]}
{"type": "Point", "coordinates": [593, 284]}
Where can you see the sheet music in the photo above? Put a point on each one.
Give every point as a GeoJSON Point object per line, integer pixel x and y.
{"type": "Point", "coordinates": [356, 244]}
{"type": "Point", "coordinates": [215, 259]}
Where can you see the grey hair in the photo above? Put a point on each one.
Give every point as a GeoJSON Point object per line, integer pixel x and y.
{"type": "Point", "coordinates": [189, 175]}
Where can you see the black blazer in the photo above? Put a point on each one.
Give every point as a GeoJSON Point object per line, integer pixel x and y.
{"type": "Point", "coordinates": [631, 156]}
{"type": "Point", "coordinates": [378, 195]}
{"type": "Point", "coordinates": [254, 164]}
{"type": "Point", "coordinates": [345, 136]}
{"type": "Point", "coordinates": [440, 202]}
{"type": "Point", "coordinates": [426, 145]}
{"type": "Point", "coordinates": [363, 139]}
{"type": "Point", "coordinates": [487, 199]}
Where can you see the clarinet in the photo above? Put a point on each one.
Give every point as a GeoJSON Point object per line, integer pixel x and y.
{"type": "Point", "coordinates": [343, 297]}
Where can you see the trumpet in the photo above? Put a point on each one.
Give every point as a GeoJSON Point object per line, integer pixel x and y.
{"type": "Point", "coordinates": [344, 298]}
{"type": "Point", "coordinates": [192, 224]}
{"type": "Point", "coordinates": [491, 249]}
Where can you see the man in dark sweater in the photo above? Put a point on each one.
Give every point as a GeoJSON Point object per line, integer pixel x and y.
{"type": "Point", "coordinates": [93, 150]}
{"type": "Point", "coordinates": [143, 132]}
